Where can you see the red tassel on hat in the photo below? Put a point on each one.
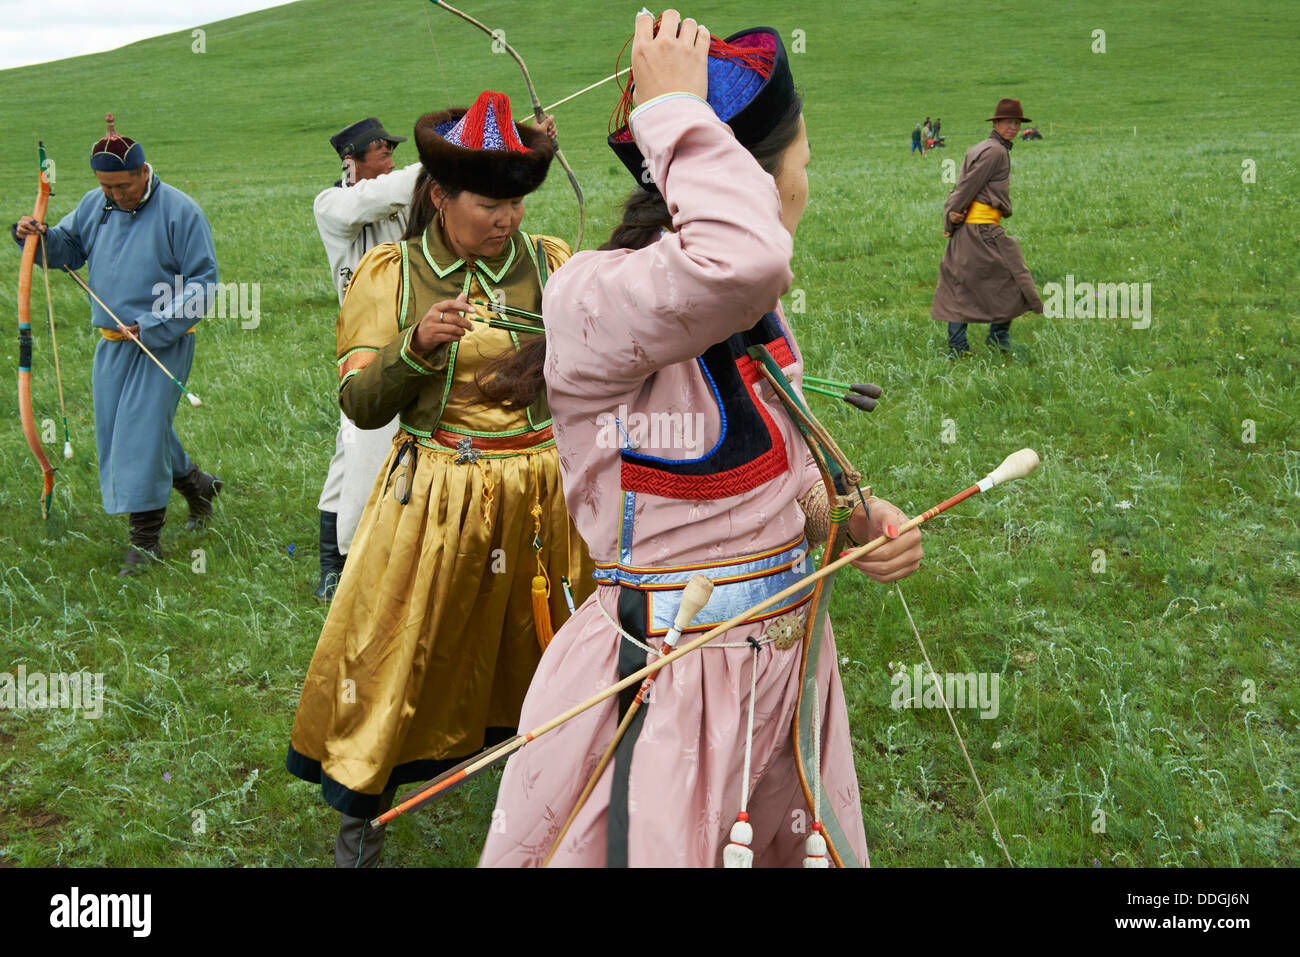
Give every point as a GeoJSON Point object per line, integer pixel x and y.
{"type": "Point", "coordinates": [760, 61]}
{"type": "Point", "coordinates": [487, 120]}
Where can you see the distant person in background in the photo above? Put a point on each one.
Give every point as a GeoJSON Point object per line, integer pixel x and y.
{"type": "Point", "coordinates": [916, 140]}
{"type": "Point", "coordinates": [937, 122]}
{"type": "Point", "coordinates": [926, 132]}
{"type": "Point", "coordinates": [367, 206]}
{"type": "Point", "coordinates": [983, 277]}
{"type": "Point", "coordinates": [135, 233]}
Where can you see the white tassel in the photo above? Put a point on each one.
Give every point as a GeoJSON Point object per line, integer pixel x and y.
{"type": "Point", "coordinates": [815, 849]}
{"type": "Point", "coordinates": [738, 853]}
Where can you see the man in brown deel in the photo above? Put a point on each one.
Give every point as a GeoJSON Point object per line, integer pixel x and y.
{"type": "Point", "coordinates": [983, 277]}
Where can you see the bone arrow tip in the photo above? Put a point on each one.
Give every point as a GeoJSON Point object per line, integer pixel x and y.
{"type": "Point", "coordinates": [1014, 466]}
{"type": "Point", "coordinates": [694, 597]}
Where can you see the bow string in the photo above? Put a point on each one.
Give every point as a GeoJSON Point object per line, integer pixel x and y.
{"type": "Point", "coordinates": [538, 113]}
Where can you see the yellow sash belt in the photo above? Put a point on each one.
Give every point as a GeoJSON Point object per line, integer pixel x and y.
{"type": "Point", "coordinates": [980, 213]}
{"type": "Point", "coordinates": [112, 335]}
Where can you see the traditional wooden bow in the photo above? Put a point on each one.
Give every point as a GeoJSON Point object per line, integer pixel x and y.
{"type": "Point", "coordinates": [25, 412]}
{"type": "Point", "coordinates": [538, 113]}
{"type": "Point", "coordinates": [841, 479]}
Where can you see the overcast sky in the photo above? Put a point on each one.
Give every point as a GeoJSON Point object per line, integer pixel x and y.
{"type": "Point", "coordinates": [36, 32]}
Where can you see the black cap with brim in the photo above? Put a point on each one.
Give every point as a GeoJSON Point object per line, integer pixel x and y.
{"type": "Point", "coordinates": [354, 140]}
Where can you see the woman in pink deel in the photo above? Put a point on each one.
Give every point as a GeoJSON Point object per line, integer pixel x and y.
{"type": "Point", "coordinates": [646, 341]}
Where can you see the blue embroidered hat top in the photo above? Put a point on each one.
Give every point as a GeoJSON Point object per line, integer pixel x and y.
{"type": "Point", "coordinates": [750, 89]}
{"type": "Point", "coordinates": [487, 126]}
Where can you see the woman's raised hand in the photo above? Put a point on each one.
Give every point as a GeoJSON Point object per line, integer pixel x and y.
{"type": "Point", "coordinates": [444, 322]}
{"type": "Point", "coordinates": [672, 61]}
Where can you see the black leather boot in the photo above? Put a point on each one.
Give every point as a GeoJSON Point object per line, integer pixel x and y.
{"type": "Point", "coordinates": [199, 489]}
{"type": "Point", "coordinates": [146, 545]}
{"type": "Point", "coordinates": [331, 560]}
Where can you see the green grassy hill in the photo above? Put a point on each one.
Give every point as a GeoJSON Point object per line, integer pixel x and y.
{"type": "Point", "coordinates": [1159, 691]}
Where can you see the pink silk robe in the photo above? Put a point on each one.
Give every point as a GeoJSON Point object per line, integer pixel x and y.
{"type": "Point", "coordinates": [624, 328]}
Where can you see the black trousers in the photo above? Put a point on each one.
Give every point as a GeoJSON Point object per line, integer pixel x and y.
{"type": "Point", "coordinates": [999, 336]}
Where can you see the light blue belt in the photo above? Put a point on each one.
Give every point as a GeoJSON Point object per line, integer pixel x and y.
{"type": "Point", "coordinates": [737, 585]}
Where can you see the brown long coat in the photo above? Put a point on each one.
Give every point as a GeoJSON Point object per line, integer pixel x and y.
{"type": "Point", "coordinates": [983, 276]}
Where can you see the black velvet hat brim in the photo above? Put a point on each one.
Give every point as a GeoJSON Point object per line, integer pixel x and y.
{"type": "Point", "coordinates": [770, 104]}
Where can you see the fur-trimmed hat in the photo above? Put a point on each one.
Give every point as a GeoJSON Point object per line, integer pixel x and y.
{"type": "Point", "coordinates": [482, 150]}
{"type": "Point", "coordinates": [115, 153]}
{"type": "Point", "coordinates": [751, 89]}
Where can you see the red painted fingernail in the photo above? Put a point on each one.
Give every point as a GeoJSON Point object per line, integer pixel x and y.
{"type": "Point", "coordinates": [891, 531]}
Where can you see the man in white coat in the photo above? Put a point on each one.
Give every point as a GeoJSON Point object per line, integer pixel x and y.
{"type": "Point", "coordinates": [367, 206]}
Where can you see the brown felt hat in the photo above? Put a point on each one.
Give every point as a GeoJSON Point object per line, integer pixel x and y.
{"type": "Point", "coordinates": [1010, 110]}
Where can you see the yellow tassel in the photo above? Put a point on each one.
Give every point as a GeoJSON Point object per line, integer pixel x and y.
{"type": "Point", "coordinates": [541, 581]}
{"type": "Point", "coordinates": [542, 611]}
{"type": "Point", "coordinates": [485, 503]}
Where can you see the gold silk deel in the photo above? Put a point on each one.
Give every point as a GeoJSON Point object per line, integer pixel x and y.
{"type": "Point", "coordinates": [430, 639]}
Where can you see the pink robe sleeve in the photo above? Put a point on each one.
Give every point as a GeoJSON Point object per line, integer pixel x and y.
{"type": "Point", "coordinates": [614, 318]}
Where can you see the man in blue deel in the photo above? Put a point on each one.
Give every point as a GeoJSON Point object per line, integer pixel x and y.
{"type": "Point", "coordinates": [137, 235]}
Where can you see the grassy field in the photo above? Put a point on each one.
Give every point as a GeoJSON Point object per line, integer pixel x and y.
{"type": "Point", "coordinates": [1137, 596]}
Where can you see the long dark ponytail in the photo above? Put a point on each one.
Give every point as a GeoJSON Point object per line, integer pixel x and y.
{"type": "Point", "coordinates": [423, 212]}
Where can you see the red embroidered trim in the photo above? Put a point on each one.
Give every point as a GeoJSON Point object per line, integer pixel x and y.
{"type": "Point", "coordinates": [742, 478]}
{"type": "Point", "coordinates": [779, 350]}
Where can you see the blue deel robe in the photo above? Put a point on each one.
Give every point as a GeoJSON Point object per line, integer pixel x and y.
{"type": "Point", "coordinates": [135, 259]}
